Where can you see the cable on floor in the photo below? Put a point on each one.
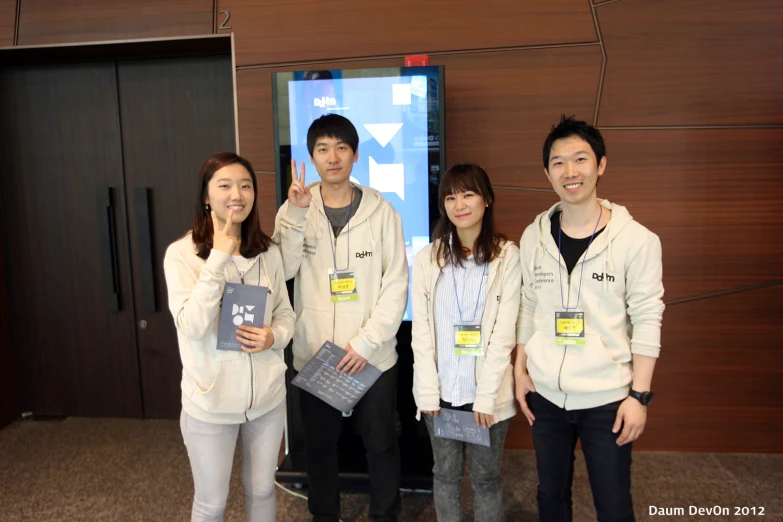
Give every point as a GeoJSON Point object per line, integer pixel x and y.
{"type": "Point", "coordinates": [292, 492]}
{"type": "Point", "coordinates": [299, 495]}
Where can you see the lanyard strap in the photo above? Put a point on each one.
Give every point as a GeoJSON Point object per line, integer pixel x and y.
{"type": "Point", "coordinates": [242, 274]}
{"type": "Point", "coordinates": [478, 296]}
{"type": "Point", "coordinates": [348, 224]}
{"type": "Point", "coordinates": [582, 272]}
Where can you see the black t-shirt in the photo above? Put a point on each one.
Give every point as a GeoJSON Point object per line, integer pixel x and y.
{"type": "Point", "coordinates": [571, 249]}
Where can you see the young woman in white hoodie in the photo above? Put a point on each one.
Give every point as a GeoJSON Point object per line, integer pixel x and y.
{"type": "Point", "coordinates": [228, 393]}
{"type": "Point", "coordinates": [467, 279]}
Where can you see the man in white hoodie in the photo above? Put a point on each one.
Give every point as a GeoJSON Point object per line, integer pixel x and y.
{"type": "Point", "coordinates": [589, 329]}
{"type": "Point", "coordinates": [330, 230]}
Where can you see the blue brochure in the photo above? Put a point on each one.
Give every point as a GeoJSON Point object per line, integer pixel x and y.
{"type": "Point", "coordinates": [460, 425]}
{"type": "Point", "coordinates": [319, 377]}
{"type": "Point", "coordinates": [242, 304]}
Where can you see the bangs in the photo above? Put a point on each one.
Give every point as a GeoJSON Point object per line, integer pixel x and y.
{"type": "Point", "coordinates": [460, 179]}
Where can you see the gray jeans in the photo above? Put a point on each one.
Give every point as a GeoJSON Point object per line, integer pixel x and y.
{"type": "Point", "coordinates": [484, 464]}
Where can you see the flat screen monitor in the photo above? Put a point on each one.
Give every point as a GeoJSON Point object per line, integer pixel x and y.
{"type": "Point", "coordinates": [399, 115]}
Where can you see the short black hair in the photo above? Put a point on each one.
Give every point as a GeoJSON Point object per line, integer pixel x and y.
{"type": "Point", "coordinates": [332, 126]}
{"type": "Point", "coordinates": [570, 126]}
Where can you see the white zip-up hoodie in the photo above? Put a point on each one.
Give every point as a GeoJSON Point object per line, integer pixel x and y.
{"type": "Point", "coordinates": [621, 297]}
{"type": "Point", "coordinates": [377, 255]}
{"type": "Point", "coordinates": [494, 373]}
{"type": "Point", "coordinates": [222, 386]}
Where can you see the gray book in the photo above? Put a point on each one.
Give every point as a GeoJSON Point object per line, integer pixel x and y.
{"type": "Point", "coordinates": [320, 377]}
{"type": "Point", "coordinates": [242, 304]}
{"type": "Point", "coordinates": [460, 425]}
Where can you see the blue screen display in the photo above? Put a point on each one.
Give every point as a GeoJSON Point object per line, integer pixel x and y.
{"type": "Point", "coordinates": [397, 118]}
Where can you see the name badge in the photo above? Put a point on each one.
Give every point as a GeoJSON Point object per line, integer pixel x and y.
{"type": "Point", "coordinates": [342, 285]}
{"type": "Point", "coordinates": [467, 339]}
{"type": "Point", "coordinates": [570, 328]}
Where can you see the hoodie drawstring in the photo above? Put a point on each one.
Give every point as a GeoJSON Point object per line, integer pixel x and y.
{"type": "Point", "coordinates": [608, 262]}
{"type": "Point", "coordinates": [539, 250]}
{"type": "Point", "coordinates": [266, 274]}
{"type": "Point", "coordinates": [372, 238]}
{"type": "Point", "coordinates": [318, 229]}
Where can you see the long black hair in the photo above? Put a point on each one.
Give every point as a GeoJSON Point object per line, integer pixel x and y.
{"type": "Point", "coordinates": [253, 240]}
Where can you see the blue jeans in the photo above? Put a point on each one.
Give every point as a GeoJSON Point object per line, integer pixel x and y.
{"type": "Point", "coordinates": [484, 464]}
{"type": "Point", "coordinates": [555, 432]}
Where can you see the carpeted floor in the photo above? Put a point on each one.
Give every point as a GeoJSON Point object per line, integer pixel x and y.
{"type": "Point", "coordinates": [126, 470]}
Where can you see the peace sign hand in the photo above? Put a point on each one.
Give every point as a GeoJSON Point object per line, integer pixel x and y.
{"type": "Point", "coordinates": [298, 193]}
{"type": "Point", "coordinates": [220, 238]}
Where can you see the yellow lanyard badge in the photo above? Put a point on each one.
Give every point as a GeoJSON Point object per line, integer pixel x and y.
{"type": "Point", "coordinates": [467, 336]}
{"type": "Point", "coordinates": [570, 328]}
{"type": "Point", "coordinates": [342, 285]}
{"type": "Point", "coordinates": [467, 339]}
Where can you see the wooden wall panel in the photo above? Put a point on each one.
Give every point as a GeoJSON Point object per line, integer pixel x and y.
{"type": "Point", "coordinates": [500, 106]}
{"type": "Point", "coordinates": [7, 22]}
{"type": "Point", "coordinates": [718, 375]}
{"type": "Point", "coordinates": [701, 62]}
{"type": "Point", "coordinates": [302, 30]}
{"type": "Point", "coordinates": [516, 209]}
{"type": "Point", "coordinates": [713, 197]}
{"type": "Point", "coordinates": [56, 22]}
{"type": "Point", "coordinates": [267, 201]}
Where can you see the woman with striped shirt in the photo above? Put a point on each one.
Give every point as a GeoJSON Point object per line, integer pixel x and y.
{"type": "Point", "coordinates": [465, 306]}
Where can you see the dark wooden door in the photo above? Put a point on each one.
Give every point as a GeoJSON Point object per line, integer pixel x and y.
{"type": "Point", "coordinates": [175, 114]}
{"type": "Point", "coordinates": [9, 385]}
{"type": "Point", "coordinates": [64, 221]}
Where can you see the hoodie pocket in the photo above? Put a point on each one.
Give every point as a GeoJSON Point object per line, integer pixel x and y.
{"type": "Point", "coordinates": [313, 327]}
{"type": "Point", "coordinates": [229, 390]}
{"type": "Point", "coordinates": [506, 391]}
{"type": "Point", "coordinates": [544, 357]}
{"type": "Point", "coordinates": [268, 380]}
{"type": "Point", "coordinates": [590, 368]}
{"type": "Point", "coordinates": [348, 325]}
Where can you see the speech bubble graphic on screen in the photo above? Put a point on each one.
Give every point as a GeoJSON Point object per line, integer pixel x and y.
{"type": "Point", "coordinates": [383, 132]}
{"type": "Point", "coordinates": [388, 178]}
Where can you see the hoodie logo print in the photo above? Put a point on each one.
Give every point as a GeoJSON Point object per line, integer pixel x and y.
{"type": "Point", "coordinates": [542, 278]}
{"type": "Point", "coordinates": [600, 277]}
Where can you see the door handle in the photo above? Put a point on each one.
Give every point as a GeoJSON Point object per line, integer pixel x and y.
{"type": "Point", "coordinates": [108, 241]}
{"type": "Point", "coordinates": [146, 263]}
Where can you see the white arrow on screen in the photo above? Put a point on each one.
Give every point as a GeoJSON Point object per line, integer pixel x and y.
{"type": "Point", "coordinates": [388, 178]}
{"type": "Point", "coordinates": [383, 132]}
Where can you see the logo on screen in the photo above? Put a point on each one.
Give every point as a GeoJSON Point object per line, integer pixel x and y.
{"type": "Point", "coordinates": [324, 101]}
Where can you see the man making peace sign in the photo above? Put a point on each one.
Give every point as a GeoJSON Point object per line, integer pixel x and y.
{"type": "Point", "coordinates": [334, 231]}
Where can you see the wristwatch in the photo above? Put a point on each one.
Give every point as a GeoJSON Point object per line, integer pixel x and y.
{"type": "Point", "coordinates": [644, 398]}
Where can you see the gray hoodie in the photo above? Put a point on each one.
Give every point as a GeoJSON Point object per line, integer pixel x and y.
{"type": "Point", "coordinates": [621, 296]}
{"type": "Point", "coordinates": [372, 244]}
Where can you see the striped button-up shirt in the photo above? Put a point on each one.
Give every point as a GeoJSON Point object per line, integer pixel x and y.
{"type": "Point", "coordinates": [458, 289]}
